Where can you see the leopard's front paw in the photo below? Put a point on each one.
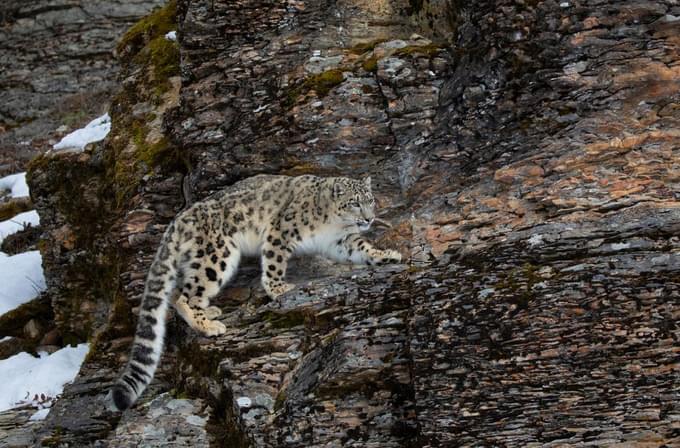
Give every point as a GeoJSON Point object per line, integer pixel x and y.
{"type": "Point", "coordinates": [212, 328]}
{"type": "Point", "coordinates": [389, 256]}
{"type": "Point", "coordinates": [275, 290]}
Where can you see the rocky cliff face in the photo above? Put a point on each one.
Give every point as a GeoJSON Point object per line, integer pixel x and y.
{"type": "Point", "coordinates": [527, 155]}
{"type": "Point", "coordinates": [57, 69]}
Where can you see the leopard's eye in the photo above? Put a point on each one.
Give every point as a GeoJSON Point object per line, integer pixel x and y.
{"type": "Point", "coordinates": [354, 204]}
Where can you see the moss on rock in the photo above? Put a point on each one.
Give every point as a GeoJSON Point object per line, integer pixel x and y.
{"type": "Point", "coordinates": [364, 47]}
{"type": "Point", "coordinates": [370, 64]}
{"type": "Point", "coordinates": [155, 25]}
{"type": "Point", "coordinates": [161, 56]}
{"type": "Point", "coordinates": [96, 189]}
{"type": "Point", "coordinates": [321, 83]}
{"type": "Point", "coordinates": [429, 51]}
{"type": "Point", "coordinates": [151, 63]}
{"type": "Point", "coordinates": [324, 81]}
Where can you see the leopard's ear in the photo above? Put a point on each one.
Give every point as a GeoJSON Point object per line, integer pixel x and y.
{"type": "Point", "coordinates": [367, 183]}
{"type": "Point", "coordinates": [338, 189]}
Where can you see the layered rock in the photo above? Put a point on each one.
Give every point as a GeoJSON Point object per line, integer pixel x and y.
{"type": "Point", "coordinates": [526, 154]}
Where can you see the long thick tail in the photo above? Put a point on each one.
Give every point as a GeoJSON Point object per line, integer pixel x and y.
{"type": "Point", "coordinates": [148, 343]}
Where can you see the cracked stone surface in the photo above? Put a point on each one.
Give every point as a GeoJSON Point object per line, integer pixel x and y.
{"type": "Point", "coordinates": [526, 154]}
{"type": "Point", "coordinates": [165, 421]}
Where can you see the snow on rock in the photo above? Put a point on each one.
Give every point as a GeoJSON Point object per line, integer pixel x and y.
{"type": "Point", "coordinates": [244, 402]}
{"type": "Point", "coordinates": [27, 379]}
{"type": "Point", "coordinates": [22, 279]}
{"type": "Point", "coordinates": [95, 131]}
{"type": "Point", "coordinates": [40, 414]}
{"type": "Point", "coordinates": [16, 183]}
{"type": "Point", "coordinates": [171, 35]}
{"type": "Point", "coordinates": [18, 223]}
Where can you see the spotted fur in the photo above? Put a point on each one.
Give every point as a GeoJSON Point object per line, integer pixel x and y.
{"type": "Point", "coordinates": [274, 217]}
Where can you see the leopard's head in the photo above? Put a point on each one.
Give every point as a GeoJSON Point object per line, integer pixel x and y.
{"type": "Point", "coordinates": [353, 202]}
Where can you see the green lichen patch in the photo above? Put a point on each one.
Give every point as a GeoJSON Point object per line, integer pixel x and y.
{"type": "Point", "coordinates": [280, 400]}
{"type": "Point", "coordinates": [321, 83]}
{"type": "Point", "coordinates": [155, 25]}
{"type": "Point", "coordinates": [308, 317]}
{"type": "Point", "coordinates": [137, 146]}
{"type": "Point", "coordinates": [365, 47]}
{"type": "Point", "coordinates": [135, 155]}
{"type": "Point", "coordinates": [429, 51]}
{"type": "Point", "coordinates": [370, 64]}
{"type": "Point", "coordinates": [324, 82]}
{"type": "Point", "coordinates": [158, 153]}
{"type": "Point", "coordinates": [285, 320]}
{"type": "Point", "coordinates": [93, 189]}
{"type": "Point", "coordinates": [162, 57]}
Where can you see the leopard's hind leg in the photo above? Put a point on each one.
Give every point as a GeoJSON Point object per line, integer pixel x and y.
{"type": "Point", "coordinates": [203, 277]}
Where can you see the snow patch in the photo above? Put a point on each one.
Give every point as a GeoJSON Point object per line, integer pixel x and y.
{"type": "Point", "coordinates": [171, 35]}
{"type": "Point", "coordinates": [22, 279]}
{"type": "Point", "coordinates": [40, 414]}
{"type": "Point", "coordinates": [16, 184]}
{"type": "Point", "coordinates": [18, 223]}
{"type": "Point", "coordinates": [620, 246]}
{"type": "Point", "coordinates": [244, 402]}
{"type": "Point", "coordinates": [95, 131]}
{"type": "Point", "coordinates": [30, 380]}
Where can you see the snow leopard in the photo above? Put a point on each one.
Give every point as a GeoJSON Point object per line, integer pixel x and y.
{"type": "Point", "coordinates": [271, 216]}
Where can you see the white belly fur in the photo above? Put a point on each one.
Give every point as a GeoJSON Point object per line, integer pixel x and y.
{"type": "Point", "coordinates": [249, 243]}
